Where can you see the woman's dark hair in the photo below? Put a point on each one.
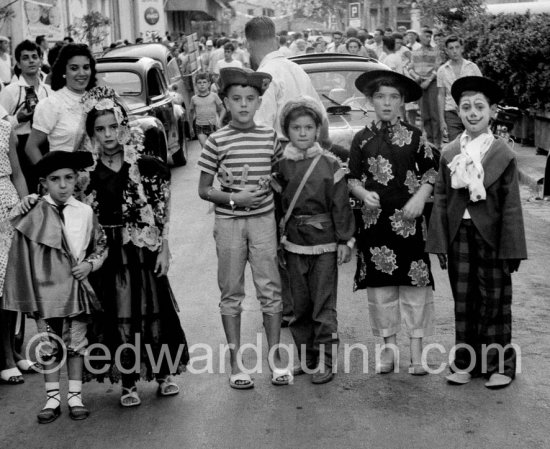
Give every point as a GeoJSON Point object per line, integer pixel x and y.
{"type": "Point", "coordinates": [94, 114]}
{"type": "Point", "coordinates": [54, 52]}
{"type": "Point", "coordinates": [353, 39]}
{"type": "Point", "coordinates": [298, 112]}
{"type": "Point", "coordinates": [60, 66]}
{"type": "Point", "coordinates": [375, 86]}
{"type": "Point", "coordinates": [389, 42]}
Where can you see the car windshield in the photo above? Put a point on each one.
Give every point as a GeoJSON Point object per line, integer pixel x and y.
{"type": "Point", "coordinates": [126, 84]}
{"type": "Point", "coordinates": [338, 87]}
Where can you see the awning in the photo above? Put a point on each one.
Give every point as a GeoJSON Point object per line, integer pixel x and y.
{"type": "Point", "coordinates": [210, 8]}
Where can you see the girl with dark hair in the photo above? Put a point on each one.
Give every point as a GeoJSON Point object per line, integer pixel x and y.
{"type": "Point", "coordinates": [57, 119]}
{"type": "Point", "coordinates": [131, 196]}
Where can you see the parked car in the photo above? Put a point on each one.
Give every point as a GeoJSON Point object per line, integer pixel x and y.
{"type": "Point", "coordinates": [179, 83]}
{"type": "Point", "coordinates": [333, 76]}
{"type": "Point", "coordinates": [142, 86]}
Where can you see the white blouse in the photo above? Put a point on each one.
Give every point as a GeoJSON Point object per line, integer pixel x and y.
{"type": "Point", "coordinates": [60, 117]}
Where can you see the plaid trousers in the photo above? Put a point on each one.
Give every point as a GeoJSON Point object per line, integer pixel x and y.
{"type": "Point", "coordinates": [482, 291]}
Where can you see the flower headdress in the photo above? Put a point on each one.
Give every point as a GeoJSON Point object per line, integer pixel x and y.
{"type": "Point", "coordinates": [105, 98]}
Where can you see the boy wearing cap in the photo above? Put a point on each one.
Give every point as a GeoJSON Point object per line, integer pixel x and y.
{"type": "Point", "coordinates": [315, 237]}
{"type": "Point", "coordinates": [476, 229]}
{"type": "Point", "coordinates": [241, 155]}
{"type": "Point", "coordinates": [54, 248]}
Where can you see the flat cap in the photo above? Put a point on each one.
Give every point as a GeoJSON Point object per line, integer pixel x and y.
{"type": "Point", "coordinates": [56, 160]}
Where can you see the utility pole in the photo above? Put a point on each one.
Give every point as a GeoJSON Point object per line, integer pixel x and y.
{"type": "Point", "coordinates": [366, 14]}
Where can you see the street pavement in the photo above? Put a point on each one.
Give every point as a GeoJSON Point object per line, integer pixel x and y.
{"type": "Point", "coordinates": [359, 409]}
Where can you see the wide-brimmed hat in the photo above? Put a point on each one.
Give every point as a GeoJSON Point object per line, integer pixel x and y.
{"type": "Point", "coordinates": [56, 160]}
{"type": "Point", "coordinates": [231, 76]}
{"type": "Point", "coordinates": [365, 83]}
{"type": "Point", "coordinates": [477, 84]}
{"type": "Point", "coordinates": [301, 101]}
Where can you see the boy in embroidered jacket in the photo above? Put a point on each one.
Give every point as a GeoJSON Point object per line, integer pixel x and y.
{"type": "Point", "coordinates": [55, 246]}
{"type": "Point", "coordinates": [316, 235]}
{"type": "Point", "coordinates": [477, 229]}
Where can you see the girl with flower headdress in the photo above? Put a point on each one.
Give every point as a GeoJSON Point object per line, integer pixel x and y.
{"type": "Point", "coordinates": [130, 192]}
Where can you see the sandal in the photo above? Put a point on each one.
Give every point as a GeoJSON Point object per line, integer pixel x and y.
{"type": "Point", "coordinates": [11, 376]}
{"type": "Point", "coordinates": [77, 412]}
{"type": "Point", "coordinates": [167, 387]}
{"type": "Point", "coordinates": [28, 366]}
{"type": "Point", "coordinates": [129, 393]}
{"type": "Point", "coordinates": [241, 381]}
{"type": "Point", "coordinates": [281, 376]}
{"type": "Point", "coordinates": [48, 415]}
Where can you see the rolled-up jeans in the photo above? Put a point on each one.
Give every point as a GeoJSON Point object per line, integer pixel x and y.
{"type": "Point", "coordinates": [253, 240]}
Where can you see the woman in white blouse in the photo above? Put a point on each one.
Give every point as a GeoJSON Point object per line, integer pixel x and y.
{"type": "Point", "coordinates": [58, 118]}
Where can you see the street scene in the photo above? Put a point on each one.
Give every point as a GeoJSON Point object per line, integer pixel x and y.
{"type": "Point", "coordinates": [274, 224]}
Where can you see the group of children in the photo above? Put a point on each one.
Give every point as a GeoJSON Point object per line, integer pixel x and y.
{"type": "Point", "coordinates": [476, 230]}
{"type": "Point", "coordinates": [476, 227]}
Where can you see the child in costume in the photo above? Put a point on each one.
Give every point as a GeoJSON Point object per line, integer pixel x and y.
{"type": "Point", "coordinates": [55, 246]}
{"type": "Point", "coordinates": [242, 155]}
{"type": "Point", "coordinates": [477, 230]}
{"type": "Point", "coordinates": [130, 191]}
{"type": "Point", "coordinates": [316, 235]}
{"type": "Point", "coordinates": [392, 171]}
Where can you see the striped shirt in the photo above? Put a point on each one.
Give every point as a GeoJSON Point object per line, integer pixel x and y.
{"type": "Point", "coordinates": [241, 158]}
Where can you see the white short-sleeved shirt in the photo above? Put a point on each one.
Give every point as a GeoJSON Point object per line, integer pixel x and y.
{"type": "Point", "coordinates": [223, 64]}
{"type": "Point", "coordinates": [60, 117]}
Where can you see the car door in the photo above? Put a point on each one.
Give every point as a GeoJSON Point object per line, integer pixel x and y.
{"type": "Point", "coordinates": [161, 104]}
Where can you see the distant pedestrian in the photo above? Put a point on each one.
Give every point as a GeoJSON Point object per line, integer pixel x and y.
{"type": "Point", "coordinates": [317, 236]}
{"type": "Point", "coordinates": [59, 238]}
{"type": "Point", "coordinates": [5, 61]}
{"type": "Point", "coordinates": [227, 61]}
{"type": "Point", "coordinates": [392, 171]}
{"type": "Point", "coordinates": [423, 69]}
{"type": "Point", "coordinates": [477, 232]}
{"type": "Point", "coordinates": [455, 68]}
{"type": "Point", "coordinates": [337, 39]}
{"type": "Point", "coordinates": [205, 109]}
{"type": "Point", "coordinates": [242, 155]}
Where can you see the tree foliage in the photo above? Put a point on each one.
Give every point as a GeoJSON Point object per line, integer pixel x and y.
{"type": "Point", "coordinates": [450, 13]}
{"type": "Point", "coordinates": [514, 51]}
{"type": "Point", "coordinates": [91, 28]}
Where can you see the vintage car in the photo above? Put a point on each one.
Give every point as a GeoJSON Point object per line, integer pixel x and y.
{"type": "Point", "coordinates": [142, 86]}
{"type": "Point", "coordinates": [179, 83]}
{"type": "Point", "coordinates": [333, 75]}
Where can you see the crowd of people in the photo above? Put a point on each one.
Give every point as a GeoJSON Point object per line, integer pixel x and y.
{"type": "Point", "coordinates": [85, 212]}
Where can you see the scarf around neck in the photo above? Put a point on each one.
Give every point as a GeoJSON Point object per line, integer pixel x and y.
{"type": "Point", "coordinates": [294, 154]}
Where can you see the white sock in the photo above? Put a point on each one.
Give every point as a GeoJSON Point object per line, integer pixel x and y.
{"type": "Point", "coordinates": [75, 400]}
{"type": "Point", "coordinates": [52, 389]}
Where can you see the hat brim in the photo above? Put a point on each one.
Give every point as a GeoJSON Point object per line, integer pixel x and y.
{"type": "Point", "coordinates": [477, 84]}
{"type": "Point", "coordinates": [365, 83]}
{"type": "Point", "coordinates": [232, 76]}
{"type": "Point", "coordinates": [56, 160]}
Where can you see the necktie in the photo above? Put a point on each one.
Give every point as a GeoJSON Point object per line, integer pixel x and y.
{"type": "Point", "coordinates": [60, 208]}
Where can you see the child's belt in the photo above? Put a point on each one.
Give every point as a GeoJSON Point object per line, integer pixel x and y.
{"type": "Point", "coordinates": [312, 220]}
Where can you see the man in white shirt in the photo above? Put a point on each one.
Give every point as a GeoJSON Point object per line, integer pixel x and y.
{"type": "Point", "coordinates": [5, 61]}
{"type": "Point", "coordinates": [337, 40]}
{"type": "Point", "coordinates": [378, 45]}
{"type": "Point", "coordinates": [456, 67]}
{"type": "Point", "coordinates": [283, 47]}
{"type": "Point", "coordinates": [42, 42]}
{"type": "Point", "coordinates": [412, 40]}
{"type": "Point", "coordinates": [17, 99]}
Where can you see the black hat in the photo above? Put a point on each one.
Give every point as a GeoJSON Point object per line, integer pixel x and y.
{"type": "Point", "coordinates": [56, 160]}
{"type": "Point", "coordinates": [244, 77]}
{"type": "Point", "coordinates": [477, 84]}
{"type": "Point", "coordinates": [366, 81]}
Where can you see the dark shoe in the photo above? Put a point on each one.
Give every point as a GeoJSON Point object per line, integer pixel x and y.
{"type": "Point", "coordinates": [78, 412]}
{"type": "Point", "coordinates": [322, 377]}
{"type": "Point", "coordinates": [285, 321]}
{"type": "Point", "coordinates": [48, 415]}
{"type": "Point", "coordinates": [298, 370]}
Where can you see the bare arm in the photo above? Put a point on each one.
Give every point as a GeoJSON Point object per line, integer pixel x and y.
{"type": "Point", "coordinates": [441, 94]}
{"type": "Point", "coordinates": [245, 198]}
{"type": "Point", "coordinates": [36, 140]}
{"type": "Point", "coordinates": [17, 177]}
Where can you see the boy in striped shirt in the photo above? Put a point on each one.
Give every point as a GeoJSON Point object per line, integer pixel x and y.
{"type": "Point", "coordinates": [241, 155]}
